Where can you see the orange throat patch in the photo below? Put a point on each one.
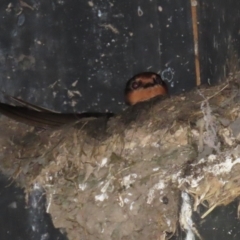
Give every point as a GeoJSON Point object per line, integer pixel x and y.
{"type": "Point", "coordinates": [145, 94]}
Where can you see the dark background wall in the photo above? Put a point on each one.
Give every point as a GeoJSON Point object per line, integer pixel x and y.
{"type": "Point", "coordinates": [77, 55]}
{"type": "Point", "coordinates": [219, 39]}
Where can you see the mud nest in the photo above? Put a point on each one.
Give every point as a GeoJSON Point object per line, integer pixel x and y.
{"type": "Point", "coordinates": [130, 177]}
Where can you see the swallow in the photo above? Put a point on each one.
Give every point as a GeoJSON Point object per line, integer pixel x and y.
{"type": "Point", "coordinates": [143, 87]}
{"type": "Point", "coordinates": [44, 118]}
{"type": "Point", "coordinates": [139, 88]}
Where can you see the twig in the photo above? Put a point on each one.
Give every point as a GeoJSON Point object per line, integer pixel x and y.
{"type": "Point", "coordinates": [215, 94]}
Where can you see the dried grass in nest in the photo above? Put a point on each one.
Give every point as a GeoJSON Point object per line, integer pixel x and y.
{"type": "Point", "coordinates": [123, 180]}
{"type": "Point", "coordinates": [217, 181]}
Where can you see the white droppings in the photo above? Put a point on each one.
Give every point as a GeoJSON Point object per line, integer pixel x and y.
{"type": "Point", "coordinates": [160, 8]}
{"type": "Point", "coordinates": [194, 3]}
{"type": "Point", "coordinates": [36, 186]}
{"type": "Point", "coordinates": [131, 205]}
{"type": "Point", "coordinates": [176, 176]}
{"type": "Point", "coordinates": [203, 160]}
{"type": "Point", "coordinates": [168, 222]}
{"type": "Point", "coordinates": [74, 83]}
{"type": "Point", "coordinates": [44, 236]}
{"type": "Point", "coordinates": [128, 180]}
{"type": "Point", "coordinates": [103, 162]}
{"type": "Point", "coordinates": [38, 42]}
{"type": "Point", "coordinates": [12, 205]}
{"type": "Point", "coordinates": [90, 4]}
{"type": "Point", "coordinates": [82, 186]}
{"type": "Point", "coordinates": [224, 167]}
{"type": "Point", "coordinates": [193, 182]}
{"type": "Point", "coordinates": [140, 12]}
{"type": "Point", "coordinates": [101, 197]}
{"type": "Point", "coordinates": [211, 158]}
{"type": "Point", "coordinates": [156, 145]}
{"type": "Point", "coordinates": [151, 194]}
{"type": "Point", "coordinates": [121, 202]}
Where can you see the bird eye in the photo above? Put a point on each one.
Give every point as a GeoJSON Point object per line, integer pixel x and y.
{"type": "Point", "coordinates": [135, 85]}
{"type": "Point", "coordinates": [157, 79]}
